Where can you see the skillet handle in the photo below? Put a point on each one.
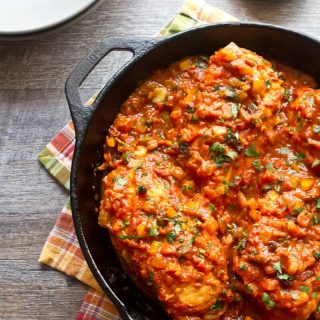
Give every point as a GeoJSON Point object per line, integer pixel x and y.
{"type": "Point", "coordinates": [81, 114]}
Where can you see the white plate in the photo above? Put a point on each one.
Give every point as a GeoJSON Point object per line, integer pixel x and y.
{"type": "Point", "coordinates": [28, 16]}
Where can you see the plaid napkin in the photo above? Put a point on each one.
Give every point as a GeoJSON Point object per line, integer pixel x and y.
{"type": "Point", "coordinates": [61, 250]}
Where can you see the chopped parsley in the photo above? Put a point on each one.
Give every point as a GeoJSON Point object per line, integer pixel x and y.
{"type": "Point", "coordinates": [316, 129]}
{"type": "Point", "coordinates": [121, 142]}
{"type": "Point", "coordinates": [217, 153]}
{"type": "Point", "coordinates": [232, 140]}
{"type": "Point", "coordinates": [298, 210]}
{"type": "Point", "coordinates": [266, 188]}
{"type": "Point", "coordinates": [277, 267]}
{"type": "Point", "coordinates": [231, 94]}
{"type": "Point", "coordinates": [269, 303]}
{"type": "Point", "coordinates": [300, 156]}
{"type": "Point", "coordinates": [288, 94]}
{"type": "Point", "coordinates": [270, 167]}
{"type": "Point", "coordinates": [284, 150]}
{"type": "Point", "coordinates": [187, 188]}
{"type": "Point", "coordinates": [119, 181]}
{"type": "Point", "coordinates": [315, 163]}
{"type": "Point", "coordinates": [294, 295]}
{"type": "Point", "coordinates": [125, 223]}
{"type": "Point", "coordinates": [190, 109]}
{"type": "Point", "coordinates": [242, 241]}
{"type": "Point", "coordinates": [138, 166]}
{"type": "Point", "coordinates": [217, 306]}
{"type": "Point", "coordinates": [235, 109]}
{"type": "Point", "coordinates": [148, 123]}
{"type": "Point", "coordinates": [150, 279]}
{"type": "Point", "coordinates": [304, 289]}
{"type": "Point", "coordinates": [256, 164]}
{"type": "Point", "coordinates": [141, 189]}
{"type": "Point", "coordinates": [183, 147]}
{"type": "Point", "coordinates": [268, 84]}
{"type": "Point", "coordinates": [253, 108]}
{"type": "Point", "coordinates": [248, 288]}
{"type": "Point", "coordinates": [285, 277]}
{"type": "Point", "coordinates": [232, 154]}
{"type": "Point", "coordinates": [194, 118]}
{"type": "Point", "coordinates": [251, 151]}
{"type": "Point", "coordinates": [126, 156]}
{"type": "Point", "coordinates": [201, 253]}
{"type": "Point", "coordinates": [300, 124]}
{"type": "Point", "coordinates": [217, 147]}
{"type": "Point", "coordinates": [316, 218]}
{"type": "Point", "coordinates": [128, 236]}
{"type": "Point", "coordinates": [243, 267]}
{"type": "Point", "coordinates": [277, 188]}
{"type": "Point", "coordinates": [153, 232]}
{"type": "Point", "coordinates": [171, 237]}
{"type": "Point", "coordinates": [280, 275]}
{"type": "Point", "coordinates": [317, 255]}
{"type": "Point", "coordinates": [202, 62]}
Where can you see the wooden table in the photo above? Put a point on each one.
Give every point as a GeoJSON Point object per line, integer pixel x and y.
{"type": "Point", "coordinates": [33, 108]}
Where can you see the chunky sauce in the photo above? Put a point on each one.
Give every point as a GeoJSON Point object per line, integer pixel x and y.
{"type": "Point", "coordinates": [212, 195]}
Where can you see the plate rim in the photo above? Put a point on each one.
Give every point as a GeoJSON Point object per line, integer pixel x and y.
{"type": "Point", "coordinates": [51, 26]}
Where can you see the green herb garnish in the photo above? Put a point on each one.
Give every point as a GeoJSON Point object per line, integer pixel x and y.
{"type": "Point", "coordinates": [315, 163]}
{"type": "Point", "coordinates": [280, 275]}
{"type": "Point", "coordinates": [316, 255]}
{"type": "Point", "coordinates": [141, 189]}
{"type": "Point", "coordinates": [298, 210]}
{"type": "Point", "coordinates": [304, 289]}
{"type": "Point", "coordinates": [243, 267]}
{"type": "Point", "coordinates": [300, 156]}
{"type": "Point", "coordinates": [153, 232]}
{"type": "Point", "coordinates": [235, 109]}
{"type": "Point", "coordinates": [202, 62]}
{"type": "Point", "coordinates": [150, 279]}
{"type": "Point", "coordinates": [128, 236]}
{"type": "Point", "coordinates": [251, 151]}
{"type": "Point", "coordinates": [284, 150]}
{"type": "Point", "coordinates": [288, 94]}
{"type": "Point", "coordinates": [119, 181]}
{"type": "Point", "coordinates": [257, 165]}
{"type": "Point", "coordinates": [217, 306]}
{"type": "Point", "coordinates": [268, 301]}
{"type": "Point", "coordinates": [277, 267]}
{"type": "Point", "coordinates": [268, 84]}
{"type": "Point", "coordinates": [171, 237]}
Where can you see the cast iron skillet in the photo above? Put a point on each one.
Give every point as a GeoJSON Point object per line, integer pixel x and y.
{"type": "Point", "coordinates": [92, 123]}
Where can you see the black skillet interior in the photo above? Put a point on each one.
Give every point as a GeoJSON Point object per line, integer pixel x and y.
{"type": "Point", "coordinates": [91, 126]}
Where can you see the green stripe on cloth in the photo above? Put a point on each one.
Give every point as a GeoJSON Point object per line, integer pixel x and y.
{"type": "Point", "coordinates": [56, 168]}
{"type": "Point", "coordinates": [180, 23]}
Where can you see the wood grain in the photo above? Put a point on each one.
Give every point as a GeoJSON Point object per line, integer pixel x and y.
{"type": "Point", "coordinates": [33, 109]}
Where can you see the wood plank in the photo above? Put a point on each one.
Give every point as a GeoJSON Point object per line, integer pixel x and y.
{"type": "Point", "coordinates": [32, 292]}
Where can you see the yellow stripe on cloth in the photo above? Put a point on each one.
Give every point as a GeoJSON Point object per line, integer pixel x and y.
{"type": "Point", "coordinates": [62, 252]}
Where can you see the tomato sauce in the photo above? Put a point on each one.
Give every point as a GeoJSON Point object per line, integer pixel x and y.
{"type": "Point", "coordinates": [211, 194]}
